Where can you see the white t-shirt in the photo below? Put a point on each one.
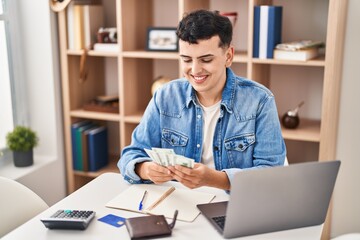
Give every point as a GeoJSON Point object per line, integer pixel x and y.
{"type": "Point", "coordinates": [210, 117]}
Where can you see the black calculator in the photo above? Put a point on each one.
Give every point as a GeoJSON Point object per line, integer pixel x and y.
{"type": "Point", "coordinates": [69, 219]}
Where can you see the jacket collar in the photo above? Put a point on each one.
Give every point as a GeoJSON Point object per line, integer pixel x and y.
{"type": "Point", "coordinates": [227, 94]}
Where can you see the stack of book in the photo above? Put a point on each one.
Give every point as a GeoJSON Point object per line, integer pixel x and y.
{"type": "Point", "coordinates": [83, 23]}
{"type": "Point", "coordinates": [106, 103]}
{"type": "Point", "coordinates": [89, 146]}
{"type": "Point", "coordinates": [267, 30]}
{"type": "Point", "coordinates": [299, 51]}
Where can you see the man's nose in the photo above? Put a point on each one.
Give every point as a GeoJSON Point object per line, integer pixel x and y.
{"type": "Point", "coordinates": [196, 67]}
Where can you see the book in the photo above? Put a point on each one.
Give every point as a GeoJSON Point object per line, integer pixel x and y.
{"type": "Point", "coordinates": [73, 130]}
{"type": "Point", "coordinates": [93, 20]}
{"type": "Point", "coordinates": [300, 45]}
{"type": "Point", "coordinates": [107, 98]}
{"type": "Point", "coordinates": [85, 150]}
{"type": "Point", "coordinates": [79, 160]}
{"type": "Point", "coordinates": [299, 55]}
{"type": "Point", "coordinates": [97, 148]}
{"type": "Point", "coordinates": [79, 40]}
{"type": "Point", "coordinates": [161, 200]}
{"type": "Point", "coordinates": [83, 23]}
{"type": "Point", "coordinates": [267, 30]}
{"type": "Point", "coordinates": [98, 106]}
{"type": "Point", "coordinates": [85, 162]}
{"type": "Point", "coordinates": [70, 25]}
{"type": "Point", "coordinates": [106, 47]}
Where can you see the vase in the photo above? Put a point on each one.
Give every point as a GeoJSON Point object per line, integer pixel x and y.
{"type": "Point", "coordinates": [23, 158]}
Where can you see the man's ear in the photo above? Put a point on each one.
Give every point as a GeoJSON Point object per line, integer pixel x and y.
{"type": "Point", "coordinates": [229, 56]}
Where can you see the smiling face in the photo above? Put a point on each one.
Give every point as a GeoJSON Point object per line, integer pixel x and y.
{"type": "Point", "coordinates": [204, 65]}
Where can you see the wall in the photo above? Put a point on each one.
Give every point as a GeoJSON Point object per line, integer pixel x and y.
{"type": "Point", "coordinates": [40, 57]}
{"type": "Point", "coordinates": [346, 199]}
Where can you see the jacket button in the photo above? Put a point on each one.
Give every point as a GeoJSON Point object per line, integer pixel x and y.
{"type": "Point", "coordinates": [240, 145]}
{"type": "Point", "coordinates": [216, 148]}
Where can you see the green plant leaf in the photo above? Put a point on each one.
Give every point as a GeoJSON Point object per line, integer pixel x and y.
{"type": "Point", "coordinates": [21, 139]}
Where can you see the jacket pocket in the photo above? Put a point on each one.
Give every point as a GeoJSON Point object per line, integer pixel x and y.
{"type": "Point", "coordinates": [175, 140]}
{"type": "Point", "coordinates": [240, 149]}
{"type": "Point", "coordinates": [240, 143]}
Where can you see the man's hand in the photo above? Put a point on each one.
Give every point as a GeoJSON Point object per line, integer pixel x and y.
{"type": "Point", "coordinates": [154, 172]}
{"type": "Point", "coordinates": [199, 176]}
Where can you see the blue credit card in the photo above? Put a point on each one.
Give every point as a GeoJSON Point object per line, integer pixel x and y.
{"type": "Point", "coordinates": [113, 220]}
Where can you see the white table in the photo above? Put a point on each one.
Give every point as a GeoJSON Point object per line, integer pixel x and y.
{"type": "Point", "coordinates": [94, 196]}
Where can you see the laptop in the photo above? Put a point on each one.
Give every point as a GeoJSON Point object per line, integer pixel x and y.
{"type": "Point", "coordinates": [274, 199]}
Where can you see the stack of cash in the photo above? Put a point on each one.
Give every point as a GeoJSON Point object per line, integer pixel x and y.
{"type": "Point", "coordinates": [167, 157]}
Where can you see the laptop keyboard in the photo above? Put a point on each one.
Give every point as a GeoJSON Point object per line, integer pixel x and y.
{"type": "Point", "coordinates": [220, 221]}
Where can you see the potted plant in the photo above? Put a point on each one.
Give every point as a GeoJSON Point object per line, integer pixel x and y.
{"type": "Point", "coordinates": [21, 141]}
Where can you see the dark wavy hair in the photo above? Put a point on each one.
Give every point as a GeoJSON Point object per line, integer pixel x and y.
{"type": "Point", "coordinates": [203, 25]}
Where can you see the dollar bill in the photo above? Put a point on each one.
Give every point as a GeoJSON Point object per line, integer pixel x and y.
{"type": "Point", "coordinates": [184, 161]}
{"type": "Point", "coordinates": [153, 155]}
{"type": "Point", "coordinates": [164, 150]}
{"type": "Point", "coordinates": [167, 157]}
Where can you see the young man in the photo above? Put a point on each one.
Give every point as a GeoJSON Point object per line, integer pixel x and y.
{"type": "Point", "coordinates": [224, 122]}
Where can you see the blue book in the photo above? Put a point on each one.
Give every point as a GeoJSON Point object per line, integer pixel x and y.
{"type": "Point", "coordinates": [84, 147]}
{"type": "Point", "coordinates": [267, 30]}
{"type": "Point", "coordinates": [97, 148]}
{"type": "Point", "coordinates": [74, 148]}
{"type": "Point", "coordinates": [79, 164]}
{"type": "Point", "coordinates": [256, 35]}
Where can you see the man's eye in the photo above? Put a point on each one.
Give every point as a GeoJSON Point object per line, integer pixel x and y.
{"type": "Point", "coordinates": [186, 60]}
{"type": "Point", "coordinates": [206, 60]}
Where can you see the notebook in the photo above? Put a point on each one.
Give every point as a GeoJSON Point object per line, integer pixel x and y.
{"type": "Point", "coordinates": [161, 200]}
{"type": "Point", "coordinates": [275, 199]}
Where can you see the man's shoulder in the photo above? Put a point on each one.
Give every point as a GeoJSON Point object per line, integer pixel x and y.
{"type": "Point", "coordinates": [173, 96]}
{"type": "Point", "coordinates": [247, 97]}
{"type": "Point", "coordinates": [246, 84]}
{"type": "Point", "coordinates": [243, 85]}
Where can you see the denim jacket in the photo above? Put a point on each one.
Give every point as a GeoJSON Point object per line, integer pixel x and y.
{"type": "Point", "coordinates": [247, 134]}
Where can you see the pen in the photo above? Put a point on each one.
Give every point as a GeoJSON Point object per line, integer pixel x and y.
{"type": "Point", "coordinates": [142, 201]}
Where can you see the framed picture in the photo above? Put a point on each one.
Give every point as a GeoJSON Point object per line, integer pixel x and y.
{"type": "Point", "coordinates": [162, 39]}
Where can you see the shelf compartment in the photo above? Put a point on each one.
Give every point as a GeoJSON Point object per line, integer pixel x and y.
{"type": "Point", "coordinates": [111, 167]}
{"type": "Point", "coordinates": [80, 113]}
{"type": "Point", "coordinates": [93, 53]}
{"type": "Point", "coordinates": [139, 75]}
{"type": "Point", "coordinates": [308, 130]}
{"type": "Point", "coordinates": [240, 57]}
{"type": "Point", "coordinates": [134, 118]}
{"type": "Point", "coordinates": [151, 54]}
{"type": "Point", "coordinates": [317, 62]}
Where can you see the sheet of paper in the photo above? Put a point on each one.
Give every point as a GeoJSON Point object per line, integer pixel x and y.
{"type": "Point", "coordinates": [183, 200]}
